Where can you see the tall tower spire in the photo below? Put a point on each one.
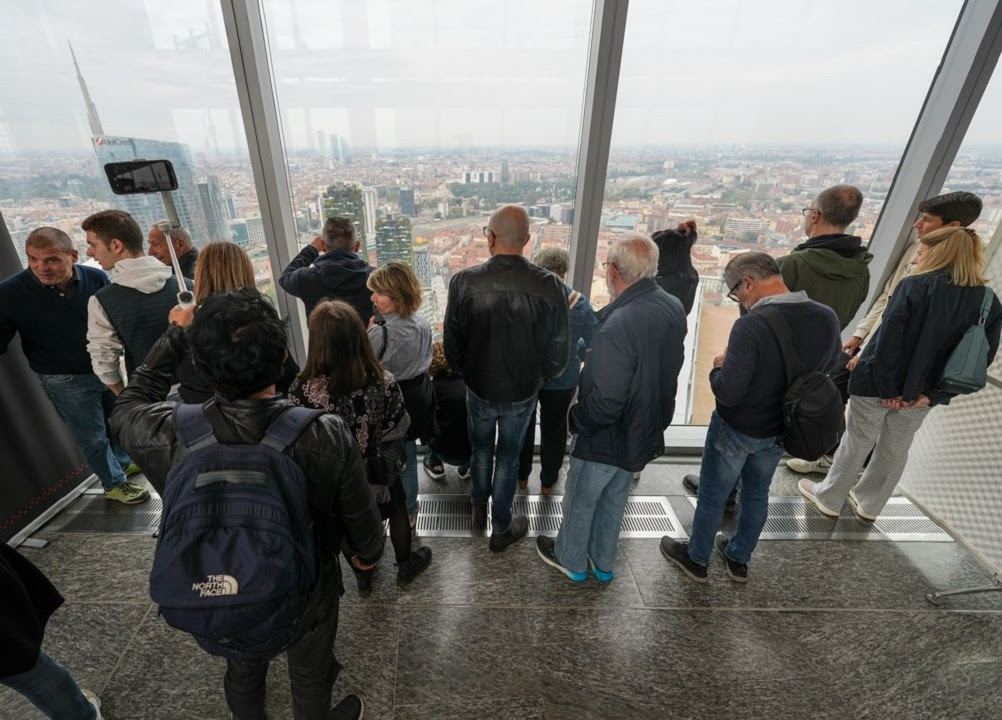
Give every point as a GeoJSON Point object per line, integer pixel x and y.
{"type": "Point", "coordinates": [95, 122]}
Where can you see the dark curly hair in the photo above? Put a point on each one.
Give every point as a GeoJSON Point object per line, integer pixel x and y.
{"type": "Point", "coordinates": [238, 342]}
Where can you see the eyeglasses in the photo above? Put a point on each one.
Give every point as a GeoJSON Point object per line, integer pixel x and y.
{"type": "Point", "coordinates": [487, 229]}
{"type": "Point", "coordinates": [806, 210]}
{"type": "Point", "coordinates": [732, 295]}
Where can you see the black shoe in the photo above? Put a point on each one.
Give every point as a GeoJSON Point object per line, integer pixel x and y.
{"type": "Point", "coordinates": [738, 572]}
{"type": "Point", "coordinates": [434, 470]}
{"type": "Point", "coordinates": [691, 483]}
{"type": "Point", "coordinates": [677, 553]}
{"type": "Point", "coordinates": [464, 472]}
{"type": "Point", "coordinates": [518, 528]}
{"type": "Point", "coordinates": [350, 708]}
{"type": "Point", "coordinates": [479, 519]}
{"type": "Point", "coordinates": [545, 548]}
{"type": "Point", "coordinates": [364, 579]}
{"type": "Point", "coordinates": [419, 560]}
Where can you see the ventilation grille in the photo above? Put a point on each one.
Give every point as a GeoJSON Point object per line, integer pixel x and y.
{"type": "Point", "coordinates": [91, 513]}
{"type": "Point", "coordinates": [794, 519]}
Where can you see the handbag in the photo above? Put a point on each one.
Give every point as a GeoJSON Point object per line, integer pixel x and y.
{"type": "Point", "coordinates": [966, 369]}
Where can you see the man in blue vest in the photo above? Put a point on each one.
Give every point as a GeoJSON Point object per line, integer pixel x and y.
{"type": "Point", "coordinates": [129, 315]}
{"type": "Point", "coordinates": [47, 306]}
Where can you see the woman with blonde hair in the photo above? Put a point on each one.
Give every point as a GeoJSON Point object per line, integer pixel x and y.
{"type": "Point", "coordinates": [899, 374]}
{"type": "Point", "coordinates": [401, 338]}
{"type": "Point", "coordinates": [343, 376]}
{"type": "Point", "coordinates": [221, 267]}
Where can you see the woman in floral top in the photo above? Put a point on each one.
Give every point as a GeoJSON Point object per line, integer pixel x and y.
{"type": "Point", "coordinates": [342, 376]}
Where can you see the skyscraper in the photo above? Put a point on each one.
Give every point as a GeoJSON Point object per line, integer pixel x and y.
{"type": "Point", "coordinates": [407, 202]}
{"type": "Point", "coordinates": [340, 150]}
{"type": "Point", "coordinates": [423, 267]}
{"type": "Point", "coordinates": [346, 200]}
{"type": "Point", "coordinates": [505, 175]}
{"type": "Point", "coordinates": [213, 205]}
{"type": "Point", "coordinates": [393, 239]}
{"type": "Point", "coordinates": [238, 232]}
{"type": "Point", "coordinates": [369, 200]}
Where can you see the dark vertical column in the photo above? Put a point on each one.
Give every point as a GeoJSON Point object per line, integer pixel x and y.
{"type": "Point", "coordinates": [39, 462]}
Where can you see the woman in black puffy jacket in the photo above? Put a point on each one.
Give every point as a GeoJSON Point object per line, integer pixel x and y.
{"type": "Point", "coordinates": [676, 275]}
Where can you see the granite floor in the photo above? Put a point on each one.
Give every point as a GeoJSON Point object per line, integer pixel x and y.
{"type": "Point", "coordinates": [832, 629]}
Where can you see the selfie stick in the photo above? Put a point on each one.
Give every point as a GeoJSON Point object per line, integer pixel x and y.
{"type": "Point", "coordinates": [185, 298]}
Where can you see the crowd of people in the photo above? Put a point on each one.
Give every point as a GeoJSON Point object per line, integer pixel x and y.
{"type": "Point", "coordinates": [116, 355]}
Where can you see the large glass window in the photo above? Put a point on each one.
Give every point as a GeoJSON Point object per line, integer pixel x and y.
{"type": "Point", "coordinates": [417, 118]}
{"type": "Point", "coordinates": [85, 86]}
{"type": "Point", "coordinates": [735, 114]}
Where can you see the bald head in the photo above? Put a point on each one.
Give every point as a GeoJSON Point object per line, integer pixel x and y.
{"type": "Point", "coordinates": [509, 228]}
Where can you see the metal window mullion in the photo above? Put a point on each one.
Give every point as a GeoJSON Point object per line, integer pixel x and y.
{"type": "Point", "coordinates": [598, 111]}
{"type": "Point", "coordinates": [252, 72]}
{"type": "Point", "coordinates": [968, 62]}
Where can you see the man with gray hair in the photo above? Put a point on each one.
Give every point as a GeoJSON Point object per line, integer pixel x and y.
{"type": "Point", "coordinates": [832, 267]}
{"type": "Point", "coordinates": [626, 401]}
{"type": "Point", "coordinates": [507, 330]}
{"type": "Point", "coordinates": [338, 274]}
{"type": "Point", "coordinates": [187, 253]}
{"type": "Point", "coordinates": [743, 440]}
{"type": "Point", "coordinates": [47, 306]}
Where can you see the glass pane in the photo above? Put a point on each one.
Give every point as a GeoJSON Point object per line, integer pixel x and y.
{"type": "Point", "coordinates": [417, 118]}
{"type": "Point", "coordinates": [150, 80]}
{"type": "Point", "coordinates": [735, 114]}
{"type": "Point", "coordinates": [978, 165]}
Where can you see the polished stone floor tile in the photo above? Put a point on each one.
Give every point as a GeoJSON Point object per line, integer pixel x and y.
{"type": "Point", "coordinates": [97, 568]}
{"type": "Point", "coordinates": [446, 653]}
{"type": "Point", "coordinates": [542, 585]}
{"type": "Point", "coordinates": [816, 574]}
{"type": "Point", "coordinates": [464, 571]}
{"type": "Point", "coordinates": [475, 709]}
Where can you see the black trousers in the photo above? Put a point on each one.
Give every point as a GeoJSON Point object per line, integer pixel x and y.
{"type": "Point", "coordinates": [553, 407]}
{"type": "Point", "coordinates": [312, 670]}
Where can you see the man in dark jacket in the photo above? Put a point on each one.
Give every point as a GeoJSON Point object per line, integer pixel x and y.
{"type": "Point", "coordinates": [626, 401]}
{"type": "Point", "coordinates": [338, 274]}
{"type": "Point", "coordinates": [187, 253]}
{"type": "Point", "coordinates": [831, 267]}
{"type": "Point", "coordinates": [238, 342]}
{"type": "Point", "coordinates": [507, 330]}
{"type": "Point", "coordinates": [743, 439]}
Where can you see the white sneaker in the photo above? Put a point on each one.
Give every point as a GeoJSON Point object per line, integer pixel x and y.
{"type": "Point", "coordinates": [806, 488]}
{"type": "Point", "coordinates": [821, 465]}
{"type": "Point", "coordinates": [854, 503]}
{"type": "Point", "coordinates": [93, 700]}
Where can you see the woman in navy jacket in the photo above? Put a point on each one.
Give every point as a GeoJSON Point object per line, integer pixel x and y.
{"type": "Point", "coordinates": [894, 384]}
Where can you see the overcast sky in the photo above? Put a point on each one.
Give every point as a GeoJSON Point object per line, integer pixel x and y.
{"type": "Point", "coordinates": [479, 73]}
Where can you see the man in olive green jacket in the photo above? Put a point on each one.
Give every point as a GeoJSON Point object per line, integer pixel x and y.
{"type": "Point", "coordinates": [831, 267]}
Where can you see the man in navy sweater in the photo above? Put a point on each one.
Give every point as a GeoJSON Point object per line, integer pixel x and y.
{"type": "Point", "coordinates": [47, 305]}
{"type": "Point", "coordinates": [743, 439]}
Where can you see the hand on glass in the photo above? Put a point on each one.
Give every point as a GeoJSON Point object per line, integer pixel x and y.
{"type": "Point", "coordinates": [181, 316]}
{"type": "Point", "coordinates": [852, 344]}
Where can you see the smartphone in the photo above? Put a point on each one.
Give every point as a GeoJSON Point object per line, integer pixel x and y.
{"type": "Point", "coordinates": [141, 176]}
{"type": "Point", "coordinates": [380, 320]}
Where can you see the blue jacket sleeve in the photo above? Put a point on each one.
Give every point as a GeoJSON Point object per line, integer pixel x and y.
{"type": "Point", "coordinates": [291, 279]}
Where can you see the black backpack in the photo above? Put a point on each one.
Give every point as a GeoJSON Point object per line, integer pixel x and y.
{"type": "Point", "coordinates": [813, 412]}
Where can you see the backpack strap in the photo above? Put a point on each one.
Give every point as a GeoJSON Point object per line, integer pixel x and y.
{"type": "Point", "coordinates": [382, 350]}
{"type": "Point", "coordinates": [986, 305]}
{"type": "Point", "coordinates": [193, 427]}
{"type": "Point", "coordinates": [288, 426]}
{"type": "Point", "coordinates": [573, 298]}
{"type": "Point", "coordinates": [781, 329]}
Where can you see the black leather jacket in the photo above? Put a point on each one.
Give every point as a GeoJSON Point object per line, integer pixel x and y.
{"type": "Point", "coordinates": [339, 494]}
{"type": "Point", "coordinates": [507, 328]}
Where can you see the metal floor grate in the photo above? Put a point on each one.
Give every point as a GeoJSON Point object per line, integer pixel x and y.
{"type": "Point", "coordinates": [449, 516]}
{"type": "Point", "coordinates": [794, 519]}
{"type": "Point", "coordinates": [91, 513]}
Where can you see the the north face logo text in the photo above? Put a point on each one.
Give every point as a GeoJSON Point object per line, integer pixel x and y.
{"type": "Point", "coordinates": [215, 585]}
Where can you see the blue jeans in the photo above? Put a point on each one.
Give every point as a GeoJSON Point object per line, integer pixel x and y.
{"type": "Point", "coordinates": [409, 477]}
{"type": "Point", "coordinates": [727, 457]}
{"type": "Point", "coordinates": [592, 515]}
{"type": "Point", "coordinates": [495, 467]}
{"type": "Point", "coordinates": [52, 690]}
{"type": "Point", "coordinates": [85, 404]}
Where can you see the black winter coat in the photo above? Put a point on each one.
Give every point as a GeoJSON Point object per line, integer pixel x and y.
{"type": "Point", "coordinates": [335, 275]}
{"type": "Point", "coordinates": [627, 392]}
{"type": "Point", "coordinates": [507, 328]}
{"type": "Point", "coordinates": [453, 441]}
{"type": "Point", "coordinates": [924, 320]}
{"type": "Point", "coordinates": [27, 599]}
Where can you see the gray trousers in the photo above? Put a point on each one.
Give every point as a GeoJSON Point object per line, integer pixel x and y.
{"type": "Point", "coordinates": [889, 434]}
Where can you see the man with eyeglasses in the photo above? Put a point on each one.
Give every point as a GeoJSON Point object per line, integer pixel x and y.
{"type": "Point", "coordinates": [507, 331]}
{"type": "Point", "coordinates": [955, 209]}
{"type": "Point", "coordinates": [832, 267]}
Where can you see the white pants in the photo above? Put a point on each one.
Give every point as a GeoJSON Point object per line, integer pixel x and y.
{"type": "Point", "coordinates": [889, 434]}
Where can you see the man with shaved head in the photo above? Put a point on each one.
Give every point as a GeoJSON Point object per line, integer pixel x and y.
{"type": "Point", "coordinates": [47, 306]}
{"type": "Point", "coordinates": [507, 330]}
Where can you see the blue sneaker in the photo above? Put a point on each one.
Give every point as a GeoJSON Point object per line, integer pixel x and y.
{"type": "Point", "coordinates": [544, 547]}
{"type": "Point", "coordinates": [601, 575]}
